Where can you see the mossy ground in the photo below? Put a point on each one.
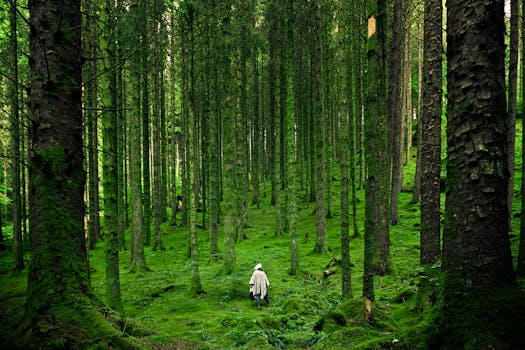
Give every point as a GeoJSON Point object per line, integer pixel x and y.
{"type": "Point", "coordinates": [306, 311]}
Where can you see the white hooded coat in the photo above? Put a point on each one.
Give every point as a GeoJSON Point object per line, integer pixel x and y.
{"type": "Point", "coordinates": [259, 283]}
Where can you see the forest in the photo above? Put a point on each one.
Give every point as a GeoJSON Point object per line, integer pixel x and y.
{"type": "Point", "coordinates": [368, 154]}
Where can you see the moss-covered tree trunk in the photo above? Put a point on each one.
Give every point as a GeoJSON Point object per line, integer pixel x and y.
{"type": "Point", "coordinates": [376, 144]}
{"type": "Point", "coordinates": [256, 139]}
{"type": "Point", "coordinates": [228, 142]}
{"type": "Point", "coordinates": [16, 202]}
{"type": "Point", "coordinates": [90, 46]}
{"type": "Point", "coordinates": [59, 294]}
{"type": "Point", "coordinates": [110, 161]}
{"type": "Point", "coordinates": [416, 191]}
{"type": "Point", "coordinates": [138, 261]}
{"type": "Point", "coordinates": [214, 164]}
{"type": "Point", "coordinates": [395, 132]}
{"type": "Point", "coordinates": [321, 245]}
{"type": "Point", "coordinates": [156, 128]}
{"type": "Point", "coordinates": [430, 120]}
{"type": "Point", "coordinates": [345, 138]}
{"type": "Point", "coordinates": [512, 100]}
{"type": "Point", "coordinates": [173, 154]}
{"type": "Point", "coordinates": [145, 108]}
{"type": "Point", "coordinates": [477, 258]}
{"type": "Point", "coordinates": [376, 147]}
{"type": "Point", "coordinates": [122, 202]}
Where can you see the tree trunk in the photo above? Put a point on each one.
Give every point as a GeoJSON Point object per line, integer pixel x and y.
{"type": "Point", "coordinates": [110, 161]}
{"type": "Point", "coordinates": [157, 131]}
{"type": "Point", "coordinates": [320, 210]}
{"type": "Point", "coordinates": [395, 101]}
{"type": "Point", "coordinates": [416, 191]}
{"type": "Point", "coordinates": [430, 119]}
{"type": "Point", "coordinates": [58, 281]}
{"type": "Point", "coordinates": [16, 203]}
{"type": "Point", "coordinates": [91, 119]}
{"type": "Point", "coordinates": [145, 107]}
{"type": "Point", "coordinates": [377, 241]}
{"type": "Point", "coordinates": [477, 258]}
{"type": "Point", "coordinates": [520, 270]}
{"type": "Point", "coordinates": [138, 261]}
{"type": "Point", "coordinates": [228, 141]}
{"type": "Point", "coordinates": [512, 91]}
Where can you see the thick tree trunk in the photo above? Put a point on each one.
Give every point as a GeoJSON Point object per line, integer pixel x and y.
{"type": "Point", "coordinates": [477, 258]}
{"type": "Point", "coordinates": [477, 166]}
{"type": "Point", "coordinates": [59, 294]}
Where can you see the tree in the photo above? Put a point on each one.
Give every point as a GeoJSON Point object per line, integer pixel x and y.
{"type": "Point", "coordinates": [395, 117]}
{"type": "Point", "coordinates": [18, 249]}
{"type": "Point", "coordinates": [157, 59]}
{"type": "Point", "coordinates": [376, 148]}
{"type": "Point", "coordinates": [320, 210]}
{"type": "Point", "coordinates": [138, 261]}
{"type": "Point", "coordinates": [145, 108]}
{"type": "Point", "coordinates": [110, 160]}
{"type": "Point", "coordinates": [59, 293]}
{"type": "Point", "coordinates": [511, 106]}
{"type": "Point", "coordinates": [430, 119]}
{"type": "Point", "coordinates": [520, 270]}
{"type": "Point", "coordinates": [477, 259]}
{"type": "Point", "coordinates": [228, 139]}
{"type": "Point", "coordinates": [91, 120]}
{"type": "Point", "coordinates": [345, 139]}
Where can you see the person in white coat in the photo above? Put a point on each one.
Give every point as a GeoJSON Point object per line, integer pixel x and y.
{"type": "Point", "coordinates": [259, 285]}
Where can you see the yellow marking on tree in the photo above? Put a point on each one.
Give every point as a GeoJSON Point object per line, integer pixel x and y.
{"type": "Point", "coordinates": [371, 26]}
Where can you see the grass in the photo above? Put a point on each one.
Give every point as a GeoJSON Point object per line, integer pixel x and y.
{"type": "Point", "coordinates": [306, 311]}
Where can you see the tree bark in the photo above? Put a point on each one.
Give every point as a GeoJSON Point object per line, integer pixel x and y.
{"type": "Point", "coordinates": [395, 109]}
{"type": "Point", "coordinates": [430, 120]}
{"type": "Point", "coordinates": [477, 258]}
{"type": "Point", "coordinates": [58, 280]}
{"type": "Point", "coordinates": [16, 202]}
{"type": "Point", "coordinates": [511, 106]}
{"type": "Point", "coordinates": [520, 269]}
{"type": "Point", "coordinates": [320, 209]}
{"type": "Point", "coordinates": [110, 161]}
{"type": "Point", "coordinates": [377, 241]}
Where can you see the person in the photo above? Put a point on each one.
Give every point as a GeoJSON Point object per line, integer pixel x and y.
{"type": "Point", "coordinates": [259, 285]}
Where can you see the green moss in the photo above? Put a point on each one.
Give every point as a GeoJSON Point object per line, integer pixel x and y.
{"type": "Point", "coordinates": [492, 319]}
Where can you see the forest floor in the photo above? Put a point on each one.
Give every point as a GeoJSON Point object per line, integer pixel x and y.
{"type": "Point", "coordinates": [306, 311]}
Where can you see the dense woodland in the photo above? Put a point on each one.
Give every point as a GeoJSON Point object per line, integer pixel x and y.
{"type": "Point", "coordinates": [367, 153]}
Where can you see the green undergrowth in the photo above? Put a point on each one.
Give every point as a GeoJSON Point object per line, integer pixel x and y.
{"type": "Point", "coordinates": [306, 311]}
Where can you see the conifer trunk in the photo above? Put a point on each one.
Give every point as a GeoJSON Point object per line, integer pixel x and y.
{"type": "Point", "coordinates": [320, 209]}
{"type": "Point", "coordinates": [18, 249]}
{"type": "Point", "coordinates": [110, 161]}
{"type": "Point", "coordinates": [376, 148]}
{"type": "Point", "coordinates": [430, 120]}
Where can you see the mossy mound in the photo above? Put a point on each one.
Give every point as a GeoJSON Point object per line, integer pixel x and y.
{"type": "Point", "coordinates": [482, 320]}
{"type": "Point", "coordinates": [81, 326]}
